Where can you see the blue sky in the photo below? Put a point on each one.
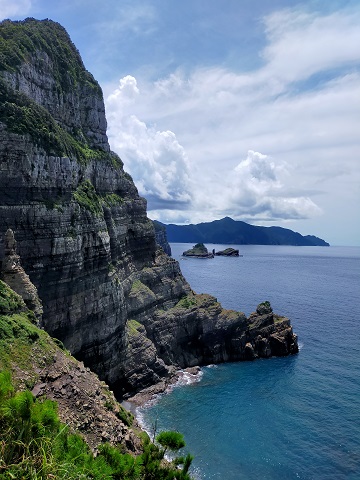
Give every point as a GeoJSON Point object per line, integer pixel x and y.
{"type": "Point", "coordinates": [245, 108]}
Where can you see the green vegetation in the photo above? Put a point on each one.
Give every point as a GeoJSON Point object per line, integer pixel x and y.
{"type": "Point", "coordinates": [264, 308]}
{"type": "Point", "coordinates": [198, 250]}
{"type": "Point", "coordinates": [46, 45]}
{"type": "Point", "coordinates": [171, 440]}
{"type": "Point", "coordinates": [265, 304]}
{"type": "Point", "coordinates": [19, 41]}
{"type": "Point", "coordinates": [35, 445]}
{"type": "Point", "coordinates": [159, 227]}
{"type": "Point", "coordinates": [186, 302]}
{"type": "Point", "coordinates": [22, 344]}
{"type": "Point", "coordinates": [112, 199]}
{"type": "Point", "coordinates": [86, 196]}
{"type": "Point", "coordinates": [133, 327]}
{"type": "Point", "coordinates": [18, 336]}
{"type": "Point", "coordinates": [23, 116]}
{"type": "Point", "coordinates": [125, 416]}
{"type": "Point", "coordinates": [138, 286]}
{"type": "Point", "coordinates": [10, 301]}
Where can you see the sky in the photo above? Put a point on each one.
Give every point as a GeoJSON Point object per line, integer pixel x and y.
{"type": "Point", "coordinates": [240, 108]}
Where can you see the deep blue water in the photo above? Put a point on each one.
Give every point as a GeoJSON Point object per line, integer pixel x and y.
{"type": "Point", "coordinates": [282, 418]}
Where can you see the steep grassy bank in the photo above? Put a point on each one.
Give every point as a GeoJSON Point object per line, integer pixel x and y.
{"type": "Point", "coordinates": [42, 438]}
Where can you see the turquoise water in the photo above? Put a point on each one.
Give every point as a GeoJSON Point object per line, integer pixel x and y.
{"type": "Point", "coordinates": [283, 418]}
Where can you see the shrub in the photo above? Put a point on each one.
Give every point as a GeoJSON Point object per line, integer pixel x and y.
{"type": "Point", "coordinates": [34, 444]}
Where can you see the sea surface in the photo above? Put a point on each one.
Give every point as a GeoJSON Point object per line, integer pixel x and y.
{"type": "Point", "coordinates": [282, 418]}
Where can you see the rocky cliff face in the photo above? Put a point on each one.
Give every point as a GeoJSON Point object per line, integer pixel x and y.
{"type": "Point", "coordinates": [83, 234]}
{"type": "Point", "coordinates": [161, 237]}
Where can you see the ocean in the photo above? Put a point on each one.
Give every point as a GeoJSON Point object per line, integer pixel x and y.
{"type": "Point", "coordinates": [281, 418]}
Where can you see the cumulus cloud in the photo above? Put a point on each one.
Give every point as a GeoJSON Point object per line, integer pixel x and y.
{"type": "Point", "coordinates": [14, 8]}
{"type": "Point", "coordinates": [299, 109]}
{"type": "Point", "coordinates": [253, 189]}
{"type": "Point", "coordinates": [155, 159]}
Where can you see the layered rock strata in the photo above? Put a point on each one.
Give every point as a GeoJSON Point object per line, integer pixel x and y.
{"type": "Point", "coordinates": [117, 303]}
{"type": "Point", "coordinates": [161, 237]}
{"type": "Point", "coordinates": [40, 363]}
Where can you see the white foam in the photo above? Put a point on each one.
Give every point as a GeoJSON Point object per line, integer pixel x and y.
{"type": "Point", "coordinates": [185, 378]}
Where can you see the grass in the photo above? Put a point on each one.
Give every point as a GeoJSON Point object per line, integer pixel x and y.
{"type": "Point", "coordinates": [138, 286]}
{"type": "Point", "coordinates": [186, 302]}
{"type": "Point", "coordinates": [87, 197]}
{"type": "Point", "coordinates": [35, 445]}
{"type": "Point", "coordinates": [10, 301]}
{"type": "Point", "coordinates": [22, 344]}
{"type": "Point", "coordinates": [133, 327]}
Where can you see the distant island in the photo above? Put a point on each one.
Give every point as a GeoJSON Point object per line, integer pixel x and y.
{"type": "Point", "coordinates": [229, 231]}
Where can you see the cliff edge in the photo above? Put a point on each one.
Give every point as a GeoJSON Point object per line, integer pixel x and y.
{"type": "Point", "coordinates": [117, 302]}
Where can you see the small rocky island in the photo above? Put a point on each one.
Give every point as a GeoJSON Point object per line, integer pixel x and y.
{"type": "Point", "coordinates": [198, 251]}
{"type": "Point", "coordinates": [228, 252]}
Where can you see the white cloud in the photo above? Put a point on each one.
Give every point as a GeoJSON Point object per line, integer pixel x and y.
{"type": "Point", "coordinates": [302, 44]}
{"type": "Point", "coordinates": [154, 158]}
{"type": "Point", "coordinates": [14, 8]}
{"type": "Point", "coordinates": [128, 19]}
{"type": "Point", "coordinates": [300, 109]}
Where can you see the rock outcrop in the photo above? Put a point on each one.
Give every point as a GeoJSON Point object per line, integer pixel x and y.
{"type": "Point", "coordinates": [198, 251]}
{"type": "Point", "coordinates": [116, 302]}
{"type": "Point", "coordinates": [161, 237]}
{"type": "Point", "coordinates": [228, 252]}
{"type": "Point", "coordinates": [12, 273]}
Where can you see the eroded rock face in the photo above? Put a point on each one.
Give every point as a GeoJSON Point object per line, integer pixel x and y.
{"type": "Point", "coordinates": [86, 243]}
{"type": "Point", "coordinates": [12, 273]}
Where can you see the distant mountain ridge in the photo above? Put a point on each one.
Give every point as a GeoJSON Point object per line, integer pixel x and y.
{"type": "Point", "coordinates": [229, 231]}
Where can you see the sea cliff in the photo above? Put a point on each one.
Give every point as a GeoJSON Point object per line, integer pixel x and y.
{"type": "Point", "coordinates": [116, 301]}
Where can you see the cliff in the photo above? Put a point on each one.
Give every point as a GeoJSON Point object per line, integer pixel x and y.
{"type": "Point", "coordinates": [161, 237]}
{"type": "Point", "coordinates": [41, 364]}
{"type": "Point", "coordinates": [229, 231]}
{"type": "Point", "coordinates": [117, 303]}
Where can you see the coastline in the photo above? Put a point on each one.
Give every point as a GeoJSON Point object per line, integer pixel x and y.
{"type": "Point", "coordinates": [149, 394]}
